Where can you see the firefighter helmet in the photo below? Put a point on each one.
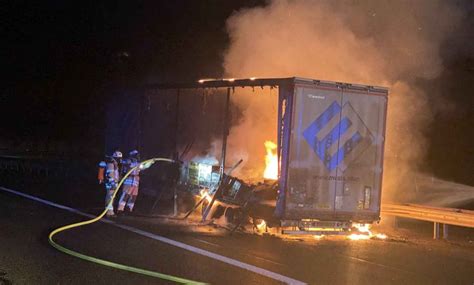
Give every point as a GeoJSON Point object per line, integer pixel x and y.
{"type": "Point", "coordinates": [117, 154]}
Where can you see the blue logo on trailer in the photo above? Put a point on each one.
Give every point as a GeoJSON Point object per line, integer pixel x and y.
{"type": "Point", "coordinates": [321, 146]}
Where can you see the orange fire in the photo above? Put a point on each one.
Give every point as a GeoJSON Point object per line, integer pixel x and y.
{"type": "Point", "coordinates": [365, 233]}
{"type": "Point", "coordinates": [261, 227]}
{"type": "Point", "coordinates": [271, 161]}
{"type": "Point", "coordinates": [358, 237]}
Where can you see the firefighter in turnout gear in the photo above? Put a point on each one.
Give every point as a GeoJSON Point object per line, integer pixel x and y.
{"type": "Point", "coordinates": [130, 185]}
{"type": "Point", "coordinates": [109, 175]}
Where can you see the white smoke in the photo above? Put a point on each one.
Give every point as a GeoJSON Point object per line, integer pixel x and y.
{"type": "Point", "coordinates": [387, 43]}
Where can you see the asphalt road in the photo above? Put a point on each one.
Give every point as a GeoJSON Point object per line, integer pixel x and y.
{"type": "Point", "coordinates": [27, 258]}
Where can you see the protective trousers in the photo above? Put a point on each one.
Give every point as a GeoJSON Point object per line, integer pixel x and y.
{"type": "Point", "coordinates": [109, 192]}
{"type": "Point", "coordinates": [128, 198]}
{"type": "Point", "coordinates": [130, 186]}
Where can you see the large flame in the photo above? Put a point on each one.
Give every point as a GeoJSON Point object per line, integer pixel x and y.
{"type": "Point", "coordinates": [271, 161]}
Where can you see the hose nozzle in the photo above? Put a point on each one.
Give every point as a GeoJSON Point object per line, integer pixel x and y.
{"type": "Point", "coordinates": [146, 164]}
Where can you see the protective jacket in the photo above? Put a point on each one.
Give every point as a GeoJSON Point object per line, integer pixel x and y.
{"type": "Point", "coordinates": [111, 174]}
{"type": "Point", "coordinates": [130, 185]}
{"type": "Point", "coordinates": [133, 179]}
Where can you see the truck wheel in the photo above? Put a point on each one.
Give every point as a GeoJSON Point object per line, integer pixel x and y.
{"type": "Point", "coordinates": [218, 212]}
{"type": "Point", "coordinates": [229, 215]}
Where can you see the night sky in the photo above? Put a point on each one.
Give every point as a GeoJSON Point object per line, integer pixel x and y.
{"type": "Point", "coordinates": [60, 60]}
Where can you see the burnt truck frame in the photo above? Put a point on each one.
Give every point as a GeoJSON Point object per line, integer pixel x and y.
{"type": "Point", "coordinates": [330, 147]}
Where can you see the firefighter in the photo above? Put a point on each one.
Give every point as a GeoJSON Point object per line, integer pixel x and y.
{"type": "Point", "coordinates": [109, 175]}
{"type": "Point", "coordinates": [130, 185]}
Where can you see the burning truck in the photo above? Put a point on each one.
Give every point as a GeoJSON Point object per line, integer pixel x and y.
{"type": "Point", "coordinates": [323, 170]}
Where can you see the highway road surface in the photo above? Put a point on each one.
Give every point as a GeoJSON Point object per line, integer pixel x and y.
{"type": "Point", "coordinates": [207, 254]}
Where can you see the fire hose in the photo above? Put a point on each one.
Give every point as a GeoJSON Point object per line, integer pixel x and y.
{"type": "Point", "coordinates": [143, 165]}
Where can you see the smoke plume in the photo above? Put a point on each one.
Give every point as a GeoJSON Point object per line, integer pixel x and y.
{"type": "Point", "coordinates": [386, 43]}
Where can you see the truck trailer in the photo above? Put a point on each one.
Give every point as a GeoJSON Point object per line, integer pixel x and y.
{"type": "Point", "coordinates": [330, 147]}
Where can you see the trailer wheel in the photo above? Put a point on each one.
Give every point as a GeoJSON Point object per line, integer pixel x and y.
{"type": "Point", "coordinates": [220, 210]}
{"type": "Point", "coordinates": [229, 215]}
{"type": "Point", "coordinates": [238, 216]}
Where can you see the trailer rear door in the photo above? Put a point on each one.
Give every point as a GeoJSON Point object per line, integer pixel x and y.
{"type": "Point", "coordinates": [335, 153]}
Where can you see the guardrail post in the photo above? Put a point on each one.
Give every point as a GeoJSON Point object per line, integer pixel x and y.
{"type": "Point", "coordinates": [435, 230]}
{"type": "Point", "coordinates": [445, 231]}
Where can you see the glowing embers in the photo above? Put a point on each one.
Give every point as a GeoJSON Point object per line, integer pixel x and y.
{"type": "Point", "coordinates": [271, 161]}
{"type": "Point", "coordinates": [364, 233]}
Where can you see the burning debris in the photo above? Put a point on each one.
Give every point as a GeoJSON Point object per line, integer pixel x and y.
{"type": "Point", "coordinates": [234, 195]}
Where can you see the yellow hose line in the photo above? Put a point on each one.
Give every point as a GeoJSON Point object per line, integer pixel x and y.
{"type": "Point", "coordinates": [110, 263]}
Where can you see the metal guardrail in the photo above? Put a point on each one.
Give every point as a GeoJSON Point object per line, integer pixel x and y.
{"type": "Point", "coordinates": [42, 166]}
{"type": "Point", "coordinates": [437, 215]}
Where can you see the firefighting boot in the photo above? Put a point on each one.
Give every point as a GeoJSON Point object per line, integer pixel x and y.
{"type": "Point", "coordinates": [110, 214]}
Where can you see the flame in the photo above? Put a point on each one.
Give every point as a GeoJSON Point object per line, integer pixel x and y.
{"type": "Point", "coordinates": [318, 237]}
{"type": "Point", "coordinates": [205, 194]}
{"type": "Point", "coordinates": [261, 226]}
{"type": "Point", "coordinates": [381, 236]}
{"type": "Point", "coordinates": [358, 236]}
{"type": "Point", "coordinates": [365, 233]}
{"type": "Point", "coordinates": [271, 161]}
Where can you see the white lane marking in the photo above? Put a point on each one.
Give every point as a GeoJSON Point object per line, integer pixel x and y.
{"type": "Point", "coordinates": [249, 255]}
{"type": "Point", "coordinates": [267, 260]}
{"type": "Point", "coordinates": [206, 242]}
{"type": "Point", "coordinates": [181, 245]}
{"type": "Point", "coordinates": [377, 264]}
